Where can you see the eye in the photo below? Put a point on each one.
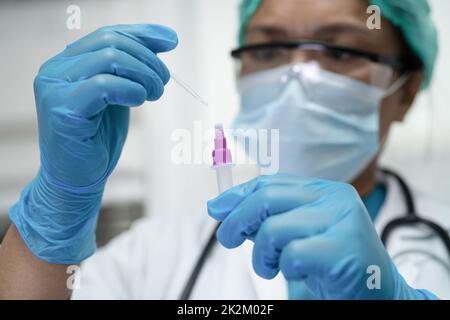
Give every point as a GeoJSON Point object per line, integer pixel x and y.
{"type": "Point", "coordinates": [266, 54]}
{"type": "Point", "coordinates": [339, 55]}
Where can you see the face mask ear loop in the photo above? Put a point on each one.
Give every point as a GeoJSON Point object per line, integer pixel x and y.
{"type": "Point", "coordinates": [400, 82]}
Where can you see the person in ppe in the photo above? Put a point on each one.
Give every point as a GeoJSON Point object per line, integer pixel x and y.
{"type": "Point", "coordinates": [310, 68]}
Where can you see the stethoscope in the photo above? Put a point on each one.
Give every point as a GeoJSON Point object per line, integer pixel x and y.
{"type": "Point", "coordinates": [410, 218]}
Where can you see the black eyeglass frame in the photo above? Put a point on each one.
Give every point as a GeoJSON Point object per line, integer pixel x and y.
{"type": "Point", "coordinates": [401, 65]}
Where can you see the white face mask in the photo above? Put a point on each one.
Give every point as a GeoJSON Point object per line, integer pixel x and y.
{"type": "Point", "coordinates": [328, 123]}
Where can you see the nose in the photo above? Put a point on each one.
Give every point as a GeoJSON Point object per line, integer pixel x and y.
{"type": "Point", "coordinates": [301, 56]}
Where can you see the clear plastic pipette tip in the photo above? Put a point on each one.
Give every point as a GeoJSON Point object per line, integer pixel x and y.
{"type": "Point", "coordinates": [188, 89]}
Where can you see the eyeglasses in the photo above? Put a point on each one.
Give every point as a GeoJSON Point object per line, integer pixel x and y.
{"type": "Point", "coordinates": [355, 63]}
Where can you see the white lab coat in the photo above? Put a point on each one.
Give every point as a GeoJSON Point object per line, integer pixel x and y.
{"type": "Point", "coordinates": [154, 259]}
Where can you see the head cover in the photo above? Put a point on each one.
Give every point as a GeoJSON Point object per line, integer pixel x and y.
{"type": "Point", "coordinates": [412, 17]}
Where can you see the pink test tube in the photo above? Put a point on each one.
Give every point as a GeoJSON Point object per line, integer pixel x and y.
{"type": "Point", "coordinates": [222, 162]}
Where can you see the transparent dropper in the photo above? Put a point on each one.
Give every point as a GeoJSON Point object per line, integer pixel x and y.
{"type": "Point", "coordinates": [188, 89]}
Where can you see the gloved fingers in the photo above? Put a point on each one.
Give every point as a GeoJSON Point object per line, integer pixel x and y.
{"type": "Point", "coordinates": [156, 38]}
{"type": "Point", "coordinates": [115, 62]}
{"type": "Point", "coordinates": [309, 257]}
{"type": "Point", "coordinates": [91, 96]}
{"type": "Point", "coordinates": [247, 217]}
{"type": "Point", "coordinates": [279, 230]}
{"type": "Point", "coordinates": [221, 206]}
{"type": "Point", "coordinates": [111, 40]}
{"type": "Point", "coordinates": [298, 290]}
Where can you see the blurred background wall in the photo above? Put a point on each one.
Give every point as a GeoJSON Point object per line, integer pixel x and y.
{"type": "Point", "coordinates": [146, 180]}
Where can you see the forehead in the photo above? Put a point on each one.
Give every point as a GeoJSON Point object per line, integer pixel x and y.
{"type": "Point", "coordinates": [301, 14]}
{"type": "Point", "coordinates": [342, 21]}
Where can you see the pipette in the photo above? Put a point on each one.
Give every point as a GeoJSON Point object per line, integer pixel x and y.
{"type": "Point", "coordinates": [188, 89]}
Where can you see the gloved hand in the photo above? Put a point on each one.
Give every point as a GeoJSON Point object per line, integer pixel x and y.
{"type": "Point", "coordinates": [314, 231]}
{"type": "Point", "coordinates": [83, 97]}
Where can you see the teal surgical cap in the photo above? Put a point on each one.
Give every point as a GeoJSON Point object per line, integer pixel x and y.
{"type": "Point", "coordinates": [412, 17]}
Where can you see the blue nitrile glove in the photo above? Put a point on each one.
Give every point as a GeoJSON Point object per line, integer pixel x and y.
{"type": "Point", "coordinates": [314, 231]}
{"type": "Point", "coordinates": [83, 97]}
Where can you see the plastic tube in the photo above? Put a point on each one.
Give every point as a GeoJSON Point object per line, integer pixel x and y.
{"type": "Point", "coordinates": [222, 162]}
